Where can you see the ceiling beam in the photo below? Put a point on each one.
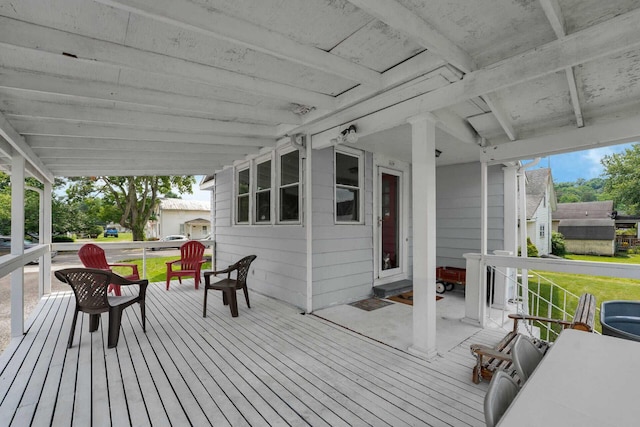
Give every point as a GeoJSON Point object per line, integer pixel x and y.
{"type": "Point", "coordinates": [501, 116]}
{"type": "Point", "coordinates": [88, 50]}
{"type": "Point", "coordinates": [194, 17]}
{"type": "Point", "coordinates": [619, 34]}
{"type": "Point", "coordinates": [84, 89]}
{"type": "Point", "coordinates": [38, 142]}
{"type": "Point", "coordinates": [86, 130]}
{"type": "Point", "coordinates": [411, 25]}
{"type": "Point", "coordinates": [89, 157]}
{"type": "Point", "coordinates": [74, 171]}
{"type": "Point", "coordinates": [29, 109]}
{"type": "Point", "coordinates": [588, 137]}
{"type": "Point", "coordinates": [18, 143]}
{"type": "Point", "coordinates": [554, 15]}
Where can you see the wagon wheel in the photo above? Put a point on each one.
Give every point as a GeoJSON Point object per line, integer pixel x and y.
{"type": "Point", "coordinates": [449, 286]}
{"type": "Point", "coordinates": [440, 287]}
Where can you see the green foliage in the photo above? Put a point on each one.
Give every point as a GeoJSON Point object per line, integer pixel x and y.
{"type": "Point", "coordinates": [558, 246]}
{"type": "Point", "coordinates": [62, 239]}
{"type": "Point", "coordinates": [128, 200]}
{"type": "Point", "coordinates": [622, 171]}
{"type": "Point", "coordinates": [122, 237]}
{"type": "Point", "coordinates": [580, 191]}
{"type": "Point", "coordinates": [532, 251]}
{"type": "Point", "coordinates": [95, 231]}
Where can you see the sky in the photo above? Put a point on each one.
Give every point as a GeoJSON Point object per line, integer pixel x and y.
{"type": "Point", "coordinates": [586, 164]}
{"type": "Point", "coordinates": [198, 194]}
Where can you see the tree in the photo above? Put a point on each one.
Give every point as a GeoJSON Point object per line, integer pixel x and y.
{"type": "Point", "coordinates": [128, 200]}
{"type": "Point", "coordinates": [622, 179]}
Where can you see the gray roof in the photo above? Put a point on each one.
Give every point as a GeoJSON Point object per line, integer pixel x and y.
{"type": "Point", "coordinates": [588, 229]}
{"type": "Point", "coordinates": [584, 210]}
{"type": "Point", "coordinates": [537, 181]}
{"type": "Point", "coordinates": [184, 205]}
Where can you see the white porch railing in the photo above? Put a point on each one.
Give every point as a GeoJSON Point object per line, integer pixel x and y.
{"type": "Point", "coordinates": [14, 264]}
{"type": "Point", "coordinates": [507, 269]}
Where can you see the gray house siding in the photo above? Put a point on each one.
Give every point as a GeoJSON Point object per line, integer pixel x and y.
{"type": "Point", "coordinates": [458, 212]}
{"type": "Point", "coordinates": [280, 269]}
{"type": "Point", "coordinates": [342, 253]}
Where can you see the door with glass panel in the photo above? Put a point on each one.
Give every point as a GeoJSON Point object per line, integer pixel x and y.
{"type": "Point", "coordinates": [389, 213]}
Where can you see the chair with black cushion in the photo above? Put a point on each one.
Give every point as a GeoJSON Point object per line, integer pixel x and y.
{"type": "Point", "coordinates": [502, 390]}
{"type": "Point", "coordinates": [90, 288]}
{"type": "Point", "coordinates": [526, 356]}
{"type": "Point", "coordinates": [229, 286]}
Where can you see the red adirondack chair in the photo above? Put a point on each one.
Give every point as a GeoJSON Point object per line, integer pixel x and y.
{"type": "Point", "coordinates": [191, 260]}
{"type": "Point", "coordinates": [92, 256]}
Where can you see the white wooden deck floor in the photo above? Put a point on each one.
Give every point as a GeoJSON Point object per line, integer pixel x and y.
{"type": "Point", "coordinates": [270, 366]}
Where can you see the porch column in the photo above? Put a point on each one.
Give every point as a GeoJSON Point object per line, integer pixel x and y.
{"type": "Point", "coordinates": [45, 238]}
{"type": "Point", "coordinates": [423, 187]}
{"type": "Point", "coordinates": [307, 213]}
{"type": "Point", "coordinates": [505, 286]}
{"type": "Point", "coordinates": [17, 244]}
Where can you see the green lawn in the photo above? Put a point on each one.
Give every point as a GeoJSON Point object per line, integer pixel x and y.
{"type": "Point", "coordinates": [604, 288]}
{"type": "Point", "coordinates": [122, 237]}
{"type": "Point", "coordinates": [156, 267]}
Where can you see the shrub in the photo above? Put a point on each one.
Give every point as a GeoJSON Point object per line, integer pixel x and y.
{"type": "Point", "coordinates": [95, 231]}
{"type": "Point", "coordinates": [62, 239]}
{"type": "Point", "coordinates": [558, 246]}
{"type": "Point", "coordinates": [532, 251]}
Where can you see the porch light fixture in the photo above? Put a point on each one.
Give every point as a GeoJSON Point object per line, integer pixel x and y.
{"type": "Point", "coordinates": [438, 152]}
{"type": "Point", "coordinates": [348, 135]}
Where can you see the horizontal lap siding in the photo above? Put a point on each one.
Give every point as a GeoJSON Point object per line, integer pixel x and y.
{"type": "Point", "coordinates": [280, 269]}
{"type": "Point", "coordinates": [458, 212]}
{"type": "Point", "coordinates": [342, 253]}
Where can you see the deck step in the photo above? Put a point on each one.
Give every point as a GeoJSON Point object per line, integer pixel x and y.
{"type": "Point", "coordinates": [394, 288]}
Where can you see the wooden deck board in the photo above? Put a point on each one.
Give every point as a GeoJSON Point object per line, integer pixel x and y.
{"type": "Point", "coordinates": [269, 366]}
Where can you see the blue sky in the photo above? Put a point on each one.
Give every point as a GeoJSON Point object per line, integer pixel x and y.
{"type": "Point", "coordinates": [586, 164]}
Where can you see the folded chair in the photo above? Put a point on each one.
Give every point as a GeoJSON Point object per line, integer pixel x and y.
{"type": "Point", "coordinates": [90, 288]}
{"type": "Point", "coordinates": [502, 390]}
{"type": "Point", "coordinates": [526, 357]}
{"type": "Point", "coordinates": [92, 256]}
{"type": "Point", "coordinates": [191, 260]}
{"type": "Point", "coordinates": [229, 286]}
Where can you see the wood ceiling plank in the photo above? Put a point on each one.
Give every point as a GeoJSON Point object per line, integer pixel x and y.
{"type": "Point", "coordinates": [194, 17]}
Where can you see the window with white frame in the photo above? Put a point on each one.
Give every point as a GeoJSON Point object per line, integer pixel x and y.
{"type": "Point", "coordinates": [289, 187]}
{"type": "Point", "coordinates": [348, 186]}
{"type": "Point", "coordinates": [542, 230]}
{"type": "Point", "coordinates": [255, 202]}
{"type": "Point", "coordinates": [263, 192]}
{"type": "Point", "coordinates": [243, 187]}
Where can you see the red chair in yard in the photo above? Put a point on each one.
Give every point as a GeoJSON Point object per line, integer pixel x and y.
{"type": "Point", "coordinates": [92, 256]}
{"type": "Point", "coordinates": [191, 260]}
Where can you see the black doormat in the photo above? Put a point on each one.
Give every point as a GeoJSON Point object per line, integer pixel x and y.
{"type": "Point", "coordinates": [370, 304]}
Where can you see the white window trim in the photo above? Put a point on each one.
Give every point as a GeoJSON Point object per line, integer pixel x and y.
{"type": "Point", "coordinates": [254, 187]}
{"type": "Point", "coordinates": [360, 156]}
{"type": "Point", "coordinates": [279, 153]}
{"type": "Point", "coordinates": [236, 184]}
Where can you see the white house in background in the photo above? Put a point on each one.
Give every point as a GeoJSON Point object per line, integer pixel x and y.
{"type": "Point", "coordinates": [177, 216]}
{"type": "Point", "coordinates": [541, 202]}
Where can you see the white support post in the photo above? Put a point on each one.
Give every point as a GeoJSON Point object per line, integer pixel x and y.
{"type": "Point", "coordinates": [45, 238]}
{"type": "Point", "coordinates": [510, 215]}
{"type": "Point", "coordinates": [484, 225]}
{"type": "Point", "coordinates": [523, 238]}
{"type": "Point", "coordinates": [308, 217]}
{"type": "Point", "coordinates": [17, 243]}
{"type": "Point", "coordinates": [424, 234]}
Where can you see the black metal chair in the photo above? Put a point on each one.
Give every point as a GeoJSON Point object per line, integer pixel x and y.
{"type": "Point", "coordinates": [229, 286]}
{"type": "Point", "coordinates": [90, 288]}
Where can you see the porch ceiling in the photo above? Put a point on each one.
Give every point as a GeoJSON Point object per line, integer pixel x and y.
{"type": "Point", "coordinates": [124, 87]}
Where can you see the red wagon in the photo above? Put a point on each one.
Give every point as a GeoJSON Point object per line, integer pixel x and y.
{"type": "Point", "coordinates": [447, 277]}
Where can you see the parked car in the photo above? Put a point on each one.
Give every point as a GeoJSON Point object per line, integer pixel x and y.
{"type": "Point", "coordinates": [111, 232]}
{"type": "Point", "coordinates": [5, 247]}
{"type": "Point", "coordinates": [178, 238]}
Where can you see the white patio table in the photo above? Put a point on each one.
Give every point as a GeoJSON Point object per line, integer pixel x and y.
{"type": "Point", "coordinates": [584, 380]}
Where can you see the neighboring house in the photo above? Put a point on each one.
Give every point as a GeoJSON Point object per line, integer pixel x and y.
{"type": "Point", "coordinates": [361, 218]}
{"type": "Point", "coordinates": [541, 202]}
{"type": "Point", "coordinates": [588, 227]}
{"type": "Point", "coordinates": [177, 216]}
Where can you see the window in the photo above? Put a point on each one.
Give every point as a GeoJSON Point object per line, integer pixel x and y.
{"type": "Point", "coordinates": [542, 231]}
{"type": "Point", "coordinates": [268, 189]}
{"type": "Point", "coordinates": [204, 228]}
{"type": "Point", "coordinates": [289, 186]}
{"type": "Point", "coordinates": [263, 192]}
{"type": "Point", "coordinates": [242, 196]}
{"type": "Point", "coordinates": [348, 182]}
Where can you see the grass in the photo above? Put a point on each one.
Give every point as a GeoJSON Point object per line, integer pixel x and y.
{"type": "Point", "coordinates": [156, 267]}
{"type": "Point", "coordinates": [122, 237]}
{"type": "Point", "coordinates": [604, 288]}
